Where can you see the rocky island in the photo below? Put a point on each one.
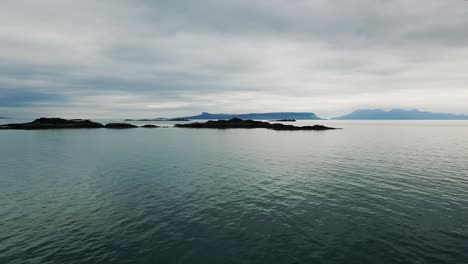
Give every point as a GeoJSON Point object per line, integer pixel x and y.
{"type": "Point", "coordinates": [60, 123]}
{"type": "Point", "coordinates": [119, 125]}
{"type": "Point", "coordinates": [241, 123]}
{"type": "Point", "coordinates": [149, 126]}
{"type": "Point", "coordinates": [53, 123]}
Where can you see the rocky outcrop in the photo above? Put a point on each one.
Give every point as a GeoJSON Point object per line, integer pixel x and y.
{"type": "Point", "coordinates": [119, 125]}
{"type": "Point", "coordinates": [53, 123]}
{"type": "Point", "coordinates": [240, 123]}
{"type": "Point", "coordinates": [149, 126]}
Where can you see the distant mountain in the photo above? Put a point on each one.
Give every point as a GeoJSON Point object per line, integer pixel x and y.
{"type": "Point", "coordinates": [399, 114]}
{"type": "Point", "coordinates": [261, 116]}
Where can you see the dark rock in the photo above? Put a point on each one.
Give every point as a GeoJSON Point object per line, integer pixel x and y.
{"type": "Point", "coordinates": [119, 125]}
{"type": "Point", "coordinates": [240, 123]}
{"type": "Point", "coordinates": [53, 123]}
{"type": "Point", "coordinates": [149, 126]}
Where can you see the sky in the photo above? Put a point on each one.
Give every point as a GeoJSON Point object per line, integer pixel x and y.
{"type": "Point", "coordinates": [138, 58]}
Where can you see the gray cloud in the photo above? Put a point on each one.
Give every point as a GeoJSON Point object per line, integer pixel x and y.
{"type": "Point", "coordinates": [156, 58]}
{"type": "Point", "coordinates": [25, 98]}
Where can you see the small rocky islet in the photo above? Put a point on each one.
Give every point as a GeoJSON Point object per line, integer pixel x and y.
{"type": "Point", "coordinates": [120, 125]}
{"type": "Point", "coordinates": [59, 123]}
{"type": "Point", "coordinates": [149, 126]}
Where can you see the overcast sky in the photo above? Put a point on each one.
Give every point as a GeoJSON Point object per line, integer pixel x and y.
{"type": "Point", "coordinates": [136, 58]}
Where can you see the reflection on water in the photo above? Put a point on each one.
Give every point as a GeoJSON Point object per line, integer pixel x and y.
{"type": "Point", "coordinates": [374, 192]}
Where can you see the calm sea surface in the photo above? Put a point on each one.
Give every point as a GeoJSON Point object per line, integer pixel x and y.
{"type": "Point", "coordinates": [375, 192]}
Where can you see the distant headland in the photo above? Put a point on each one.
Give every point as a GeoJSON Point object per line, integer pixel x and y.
{"type": "Point", "coordinates": [258, 116]}
{"type": "Point", "coordinates": [361, 114]}
{"type": "Point", "coordinates": [398, 114]}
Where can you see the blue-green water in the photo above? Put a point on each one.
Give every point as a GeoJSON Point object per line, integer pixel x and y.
{"type": "Point", "coordinates": [374, 192]}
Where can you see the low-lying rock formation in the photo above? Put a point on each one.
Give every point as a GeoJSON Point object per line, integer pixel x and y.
{"type": "Point", "coordinates": [149, 126]}
{"type": "Point", "coordinates": [119, 125]}
{"type": "Point", "coordinates": [240, 123]}
{"type": "Point", "coordinates": [53, 123]}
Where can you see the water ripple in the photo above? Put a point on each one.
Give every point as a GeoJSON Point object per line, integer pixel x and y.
{"type": "Point", "coordinates": [358, 195]}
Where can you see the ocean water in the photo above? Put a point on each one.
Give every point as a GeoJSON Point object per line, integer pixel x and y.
{"type": "Point", "coordinates": [374, 192]}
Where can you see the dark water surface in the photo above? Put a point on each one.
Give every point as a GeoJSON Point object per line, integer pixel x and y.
{"type": "Point", "coordinates": [374, 192]}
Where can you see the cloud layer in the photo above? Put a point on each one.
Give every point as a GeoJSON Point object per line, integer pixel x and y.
{"type": "Point", "coordinates": [116, 58]}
